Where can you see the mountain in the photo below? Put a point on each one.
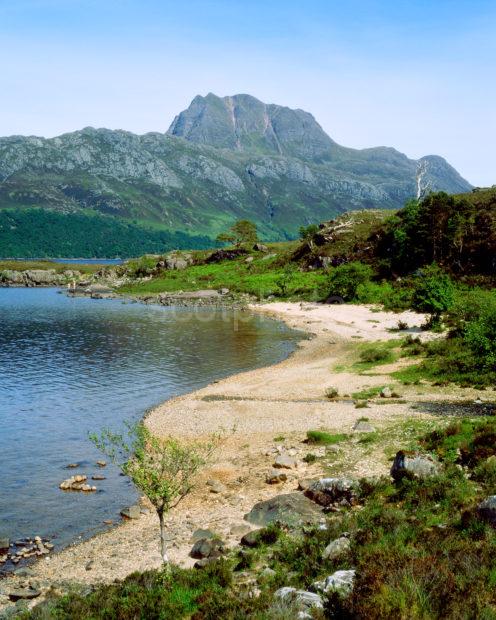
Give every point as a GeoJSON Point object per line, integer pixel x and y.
{"type": "Point", "coordinates": [222, 159]}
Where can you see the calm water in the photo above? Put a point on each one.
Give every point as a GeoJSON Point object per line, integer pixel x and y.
{"type": "Point", "coordinates": [69, 366]}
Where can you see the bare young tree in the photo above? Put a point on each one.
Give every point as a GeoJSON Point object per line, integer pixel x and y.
{"type": "Point", "coordinates": [163, 469]}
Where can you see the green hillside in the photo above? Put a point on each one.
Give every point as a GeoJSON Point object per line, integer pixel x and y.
{"type": "Point", "coordinates": [38, 233]}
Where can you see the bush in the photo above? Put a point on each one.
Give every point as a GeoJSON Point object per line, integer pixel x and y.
{"type": "Point", "coordinates": [345, 280]}
{"type": "Point", "coordinates": [433, 291]}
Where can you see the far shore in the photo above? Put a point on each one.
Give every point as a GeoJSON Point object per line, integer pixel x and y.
{"type": "Point", "coordinates": [270, 409]}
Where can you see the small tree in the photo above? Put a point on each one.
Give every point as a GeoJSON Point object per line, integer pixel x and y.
{"type": "Point", "coordinates": [345, 279]}
{"type": "Point", "coordinates": [307, 232]}
{"type": "Point", "coordinates": [434, 292]}
{"type": "Point", "coordinates": [284, 279]}
{"type": "Point", "coordinates": [240, 233]}
{"type": "Point", "coordinates": [163, 469]}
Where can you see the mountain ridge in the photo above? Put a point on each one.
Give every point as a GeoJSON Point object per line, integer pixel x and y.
{"type": "Point", "coordinates": [222, 159]}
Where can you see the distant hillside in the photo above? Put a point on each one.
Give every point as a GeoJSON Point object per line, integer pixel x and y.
{"type": "Point", "coordinates": [222, 159]}
{"type": "Point", "coordinates": [36, 233]}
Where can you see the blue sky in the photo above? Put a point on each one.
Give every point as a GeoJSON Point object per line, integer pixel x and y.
{"type": "Point", "coordinates": [417, 75]}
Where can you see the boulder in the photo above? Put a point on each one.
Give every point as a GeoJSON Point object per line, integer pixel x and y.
{"type": "Point", "coordinates": [290, 509]}
{"type": "Point", "coordinates": [4, 543]}
{"type": "Point", "coordinates": [285, 461]}
{"type": "Point", "coordinates": [275, 476]}
{"type": "Point", "coordinates": [249, 259]}
{"type": "Point", "coordinates": [386, 392]}
{"type": "Point", "coordinates": [341, 582]}
{"type": "Point", "coordinates": [301, 598]}
{"type": "Point", "coordinates": [305, 483]}
{"type": "Point", "coordinates": [207, 548]}
{"type": "Point", "coordinates": [336, 548]}
{"type": "Point", "coordinates": [216, 486]}
{"type": "Point", "coordinates": [260, 247]}
{"type": "Point", "coordinates": [10, 276]}
{"type": "Point", "coordinates": [414, 465]}
{"type": "Point", "coordinates": [43, 277]}
{"type": "Point", "coordinates": [220, 255]}
{"type": "Point", "coordinates": [362, 426]}
{"type": "Point", "coordinates": [202, 534]}
{"type": "Point", "coordinates": [131, 512]}
{"type": "Point", "coordinates": [23, 594]}
{"type": "Point", "coordinates": [487, 510]}
{"type": "Point", "coordinates": [251, 539]}
{"type": "Point", "coordinates": [328, 491]}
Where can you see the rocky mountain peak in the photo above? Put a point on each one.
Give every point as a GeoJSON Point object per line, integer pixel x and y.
{"type": "Point", "coordinates": [244, 123]}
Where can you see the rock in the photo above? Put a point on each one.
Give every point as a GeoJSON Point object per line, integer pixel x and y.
{"type": "Point", "coordinates": [207, 548]}
{"type": "Point", "coordinates": [284, 461]}
{"type": "Point", "coordinates": [267, 573]}
{"type": "Point", "coordinates": [239, 529]}
{"type": "Point", "coordinates": [414, 465]}
{"type": "Point", "coordinates": [221, 255]}
{"type": "Point", "coordinates": [336, 548]}
{"type": "Point", "coordinates": [76, 483]}
{"type": "Point", "coordinates": [24, 572]}
{"type": "Point", "coordinates": [327, 491]}
{"type": "Point", "coordinates": [101, 463]}
{"type": "Point", "coordinates": [290, 509]}
{"type": "Point", "coordinates": [11, 276]}
{"type": "Point", "coordinates": [260, 247]}
{"type": "Point", "coordinates": [275, 476]}
{"type": "Point", "coordinates": [301, 598]}
{"type": "Point", "coordinates": [72, 465]}
{"type": "Point", "coordinates": [23, 594]}
{"type": "Point", "coordinates": [131, 512]}
{"type": "Point", "coordinates": [108, 521]}
{"type": "Point", "coordinates": [249, 259]}
{"type": "Point", "coordinates": [202, 534]}
{"type": "Point", "coordinates": [43, 277]}
{"type": "Point", "coordinates": [216, 486]}
{"type": "Point", "coordinates": [251, 539]}
{"type": "Point", "coordinates": [386, 392]}
{"type": "Point", "coordinates": [90, 565]}
{"type": "Point", "coordinates": [204, 562]}
{"type": "Point", "coordinates": [4, 543]}
{"type": "Point", "coordinates": [224, 291]}
{"type": "Point", "coordinates": [487, 510]}
{"type": "Point", "coordinates": [362, 426]}
{"type": "Point", "coordinates": [98, 477]}
{"type": "Point", "coordinates": [341, 582]}
{"type": "Point", "coordinates": [305, 483]}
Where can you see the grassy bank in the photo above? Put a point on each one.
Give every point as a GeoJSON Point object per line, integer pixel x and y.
{"type": "Point", "coordinates": [419, 547]}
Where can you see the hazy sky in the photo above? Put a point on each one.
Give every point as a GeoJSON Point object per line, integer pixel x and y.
{"type": "Point", "coordinates": [419, 75]}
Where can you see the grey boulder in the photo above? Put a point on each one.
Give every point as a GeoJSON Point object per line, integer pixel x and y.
{"type": "Point", "coordinates": [341, 582]}
{"type": "Point", "coordinates": [414, 465]}
{"type": "Point", "coordinates": [290, 509]}
{"type": "Point", "coordinates": [336, 548]}
{"type": "Point", "coordinates": [487, 510]}
{"type": "Point", "coordinates": [301, 598]}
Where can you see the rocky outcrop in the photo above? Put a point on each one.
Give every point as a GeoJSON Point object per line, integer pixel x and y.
{"type": "Point", "coordinates": [36, 277]}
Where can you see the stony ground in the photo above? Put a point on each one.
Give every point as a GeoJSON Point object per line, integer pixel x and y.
{"type": "Point", "coordinates": [270, 410]}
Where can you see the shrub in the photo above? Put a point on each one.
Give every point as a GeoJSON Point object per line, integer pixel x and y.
{"type": "Point", "coordinates": [345, 280]}
{"type": "Point", "coordinates": [433, 291]}
{"type": "Point", "coordinates": [331, 392]}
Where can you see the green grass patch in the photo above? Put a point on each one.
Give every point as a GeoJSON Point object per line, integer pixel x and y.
{"type": "Point", "coordinates": [325, 438]}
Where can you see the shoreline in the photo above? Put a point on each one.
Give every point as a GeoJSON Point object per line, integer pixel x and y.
{"type": "Point", "coordinates": [283, 398]}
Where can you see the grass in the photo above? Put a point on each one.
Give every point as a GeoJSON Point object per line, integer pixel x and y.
{"type": "Point", "coordinates": [367, 393]}
{"type": "Point", "coordinates": [372, 355]}
{"type": "Point", "coordinates": [325, 438]}
{"type": "Point", "coordinates": [261, 278]}
{"type": "Point", "coordinates": [419, 548]}
{"type": "Point", "coordinates": [20, 265]}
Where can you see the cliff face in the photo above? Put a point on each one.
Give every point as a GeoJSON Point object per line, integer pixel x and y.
{"type": "Point", "coordinates": [222, 159]}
